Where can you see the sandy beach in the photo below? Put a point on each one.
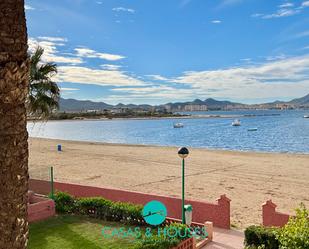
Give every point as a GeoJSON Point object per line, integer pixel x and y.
{"type": "Point", "coordinates": [247, 178]}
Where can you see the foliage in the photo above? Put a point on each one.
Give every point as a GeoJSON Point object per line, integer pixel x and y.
{"type": "Point", "coordinates": [100, 208]}
{"type": "Point", "coordinates": [44, 93]}
{"type": "Point", "coordinates": [65, 203]}
{"type": "Point", "coordinates": [295, 234]}
{"type": "Point", "coordinates": [260, 237]}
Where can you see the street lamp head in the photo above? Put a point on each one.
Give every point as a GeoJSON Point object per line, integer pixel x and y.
{"type": "Point", "coordinates": [183, 152]}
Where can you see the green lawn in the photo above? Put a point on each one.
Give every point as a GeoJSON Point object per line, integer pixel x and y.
{"type": "Point", "coordinates": [71, 232]}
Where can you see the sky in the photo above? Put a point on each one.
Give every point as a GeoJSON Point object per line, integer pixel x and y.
{"type": "Point", "coordinates": [154, 52]}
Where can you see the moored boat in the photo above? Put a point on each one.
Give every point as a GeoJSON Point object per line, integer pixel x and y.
{"type": "Point", "coordinates": [178, 125]}
{"type": "Point", "coordinates": [236, 122]}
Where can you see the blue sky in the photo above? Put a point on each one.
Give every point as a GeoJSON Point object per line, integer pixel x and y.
{"type": "Point", "coordinates": [142, 51]}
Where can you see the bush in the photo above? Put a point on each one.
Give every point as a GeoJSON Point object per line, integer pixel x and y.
{"type": "Point", "coordinates": [99, 208]}
{"type": "Point", "coordinates": [64, 202]}
{"type": "Point", "coordinates": [259, 237]}
{"type": "Point", "coordinates": [295, 234]}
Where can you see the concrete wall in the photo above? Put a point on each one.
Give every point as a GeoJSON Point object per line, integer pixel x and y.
{"type": "Point", "coordinates": [271, 217]}
{"type": "Point", "coordinates": [218, 213]}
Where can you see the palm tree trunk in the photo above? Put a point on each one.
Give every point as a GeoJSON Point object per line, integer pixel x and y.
{"type": "Point", "coordinates": [13, 133]}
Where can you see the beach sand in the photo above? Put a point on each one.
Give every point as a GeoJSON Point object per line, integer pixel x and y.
{"type": "Point", "coordinates": [247, 178]}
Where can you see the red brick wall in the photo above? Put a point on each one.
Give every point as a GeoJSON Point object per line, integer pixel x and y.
{"type": "Point", "coordinates": [218, 213]}
{"type": "Point", "coordinates": [271, 217]}
{"type": "Point", "coordinates": [40, 209]}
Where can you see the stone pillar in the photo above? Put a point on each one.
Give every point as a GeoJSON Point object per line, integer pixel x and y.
{"type": "Point", "coordinates": [224, 212]}
{"type": "Point", "coordinates": [209, 229]}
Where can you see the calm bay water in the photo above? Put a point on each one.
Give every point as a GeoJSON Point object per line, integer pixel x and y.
{"type": "Point", "coordinates": [288, 132]}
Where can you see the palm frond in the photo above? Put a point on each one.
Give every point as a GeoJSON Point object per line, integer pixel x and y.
{"type": "Point", "coordinates": [44, 93]}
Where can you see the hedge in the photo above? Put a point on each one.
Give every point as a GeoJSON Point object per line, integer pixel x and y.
{"type": "Point", "coordinates": [260, 236]}
{"type": "Point", "coordinates": [100, 208]}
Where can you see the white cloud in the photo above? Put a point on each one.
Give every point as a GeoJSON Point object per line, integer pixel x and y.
{"type": "Point", "coordinates": [68, 71]}
{"type": "Point", "coordinates": [286, 77]}
{"type": "Point", "coordinates": [86, 75]}
{"type": "Point", "coordinates": [286, 5]}
{"type": "Point", "coordinates": [157, 77]}
{"type": "Point", "coordinates": [216, 21]}
{"type": "Point", "coordinates": [68, 89]}
{"type": "Point", "coordinates": [284, 10]}
{"type": "Point", "coordinates": [110, 67]}
{"type": "Point", "coordinates": [51, 53]}
{"type": "Point", "coordinates": [282, 13]}
{"type": "Point", "coordinates": [305, 4]}
{"type": "Point", "coordinates": [122, 9]}
{"type": "Point", "coordinates": [89, 53]}
{"type": "Point", "coordinates": [28, 7]}
{"type": "Point", "coordinates": [53, 39]}
{"type": "Point", "coordinates": [99, 2]}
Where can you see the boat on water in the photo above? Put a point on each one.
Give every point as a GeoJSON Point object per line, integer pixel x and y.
{"type": "Point", "coordinates": [178, 125]}
{"type": "Point", "coordinates": [252, 129]}
{"type": "Point", "coordinates": [236, 122]}
{"type": "Point", "coordinates": [306, 116]}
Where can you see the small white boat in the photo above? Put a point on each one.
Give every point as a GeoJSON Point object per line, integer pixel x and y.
{"type": "Point", "coordinates": [236, 122]}
{"type": "Point", "coordinates": [178, 125]}
{"type": "Point", "coordinates": [306, 116]}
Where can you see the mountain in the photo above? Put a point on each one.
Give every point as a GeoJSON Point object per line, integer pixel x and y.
{"type": "Point", "coordinates": [304, 101]}
{"type": "Point", "coordinates": [211, 104]}
{"type": "Point", "coordinates": [73, 105]}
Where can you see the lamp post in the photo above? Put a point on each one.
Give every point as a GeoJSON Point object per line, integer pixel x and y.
{"type": "Point", "coordinates": [183, 153]}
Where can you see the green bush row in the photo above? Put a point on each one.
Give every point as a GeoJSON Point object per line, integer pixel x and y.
{"type": "Point", "coordinates": [294, 235]}
{"type": "Point", "coordinates": [100, 208]}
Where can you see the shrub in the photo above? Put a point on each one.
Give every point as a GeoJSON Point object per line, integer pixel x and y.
{"type": "Point", "coordinates": [64, 202]}
{"type": "Point", "coordinates": [99, 208]}
{"type": "Point", "coordinates": [295, 234]}
{"type": "Point", "coordinates": [260, 237]}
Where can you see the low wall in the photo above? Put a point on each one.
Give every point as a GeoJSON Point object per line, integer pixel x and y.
{"type": "Point", "coordinates": [186, 244]}
{"type": "Point", "coordinates": [218, 213]}
{"type": "Point", "coordinates": [40, 208]}
{"type": "Point", "coordinates": [271, 217]}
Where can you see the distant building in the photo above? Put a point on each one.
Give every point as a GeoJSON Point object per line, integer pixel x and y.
{"type": "Point", "coordinates": [194, 108]}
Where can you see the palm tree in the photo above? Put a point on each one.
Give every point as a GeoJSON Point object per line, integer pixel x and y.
{"type": "Point", "coordinates": [14, 80]}
{"type": "Point", "coordinates": [44, 93]}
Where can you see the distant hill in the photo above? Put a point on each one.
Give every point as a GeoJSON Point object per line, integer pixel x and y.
{"type": "Point", "coordinates": [212, 104]}
{"type": "Point", "coordinates": [300, 101]}
{"type": "Point", "coordinates": [73, 105]}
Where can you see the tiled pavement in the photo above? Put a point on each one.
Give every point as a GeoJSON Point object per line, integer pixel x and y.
{"type": "Point", "coordinates": [226, 239]}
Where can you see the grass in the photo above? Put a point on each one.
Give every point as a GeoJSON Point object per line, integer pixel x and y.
{"type": "Point", "coordinates": [71, 232]}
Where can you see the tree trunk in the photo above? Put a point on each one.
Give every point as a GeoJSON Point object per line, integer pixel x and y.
{"type": "Point", "coordinates": [13, 133]}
